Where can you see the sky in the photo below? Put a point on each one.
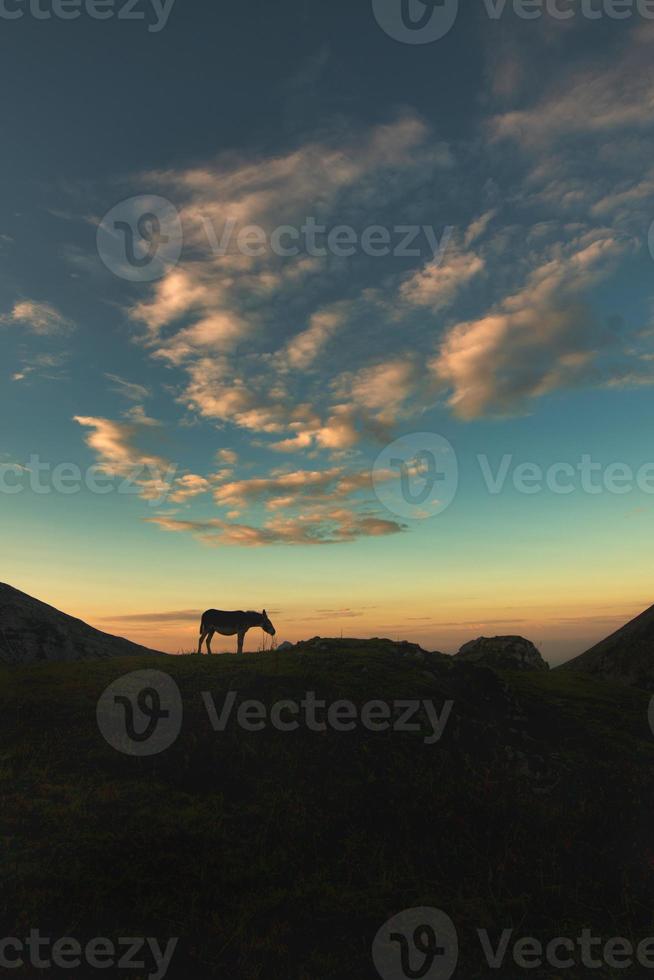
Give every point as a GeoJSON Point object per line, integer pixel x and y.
{"type": "Point", "coordinates": [342, 310]}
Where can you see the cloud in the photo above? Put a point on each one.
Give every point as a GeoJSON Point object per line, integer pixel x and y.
{"type": "Point", "coordinates": [183, 616]}
{"type": "Point", "coordinates": [39, 318]}
{"type": "Point", "coordinates": [383, 387]}
{"type": "Point", "coordinates": [602, 99]}
{"type": "Point", "coordinates": [189, 486]}
{"type": "Point", "coordinates": [541, 338]}
{"type": "Point", "coordinates": [439, 283]}
{"type": "Point", "coordinates": [138, 416]}
{"type": "Point", "coordinates": [305, 507]}
{"type": "Point", "coordinates": [47, 366]}
{"type": "Point", "coordinates": [114, 444]}
{"type": "Point", "coordinates": [228, 456]}
{"type": "Point", "coordinates": [288, 487]}
{"type": "Point", "coordinates": [180, 292]}
{"type": "Point", "coordinates": [384, 393]}
{"type": "Point", "coordinates": [128, 389]}
{"type": "Point", "coordinates": [304, 348]}
{"type": "Point", "coordinates": [219, 330]}
{"type": "Point", "coordinates": [216, 316]}
{"type": "Point", "coordinates": [335, 527]}
{"type": "Point", "coordinates": [320, 358]}
{"type": "Point", "coordinates": [478, 227]}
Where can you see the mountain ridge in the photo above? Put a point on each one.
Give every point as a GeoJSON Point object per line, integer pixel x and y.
{"type": "Point", "coordinates": [31, 631]}
{"type": "Point", "coordinates": [626, 655]}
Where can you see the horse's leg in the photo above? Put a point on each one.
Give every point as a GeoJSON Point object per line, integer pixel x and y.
{"type": "Point", "coordinates": [241, 637]}
{"type": "Point", "coordinates": [209, 639]}
{"type": "Point", "coordinates": [202, 636]}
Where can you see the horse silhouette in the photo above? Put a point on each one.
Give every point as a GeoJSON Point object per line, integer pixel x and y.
{"type": "Point", "coordinates": [232, 624]}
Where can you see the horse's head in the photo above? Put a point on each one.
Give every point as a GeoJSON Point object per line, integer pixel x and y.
{"type": "Point", "coordinates": [266, 625]}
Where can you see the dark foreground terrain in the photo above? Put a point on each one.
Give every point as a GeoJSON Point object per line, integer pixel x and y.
{"type": "Point", "coordinates": [277, 855]}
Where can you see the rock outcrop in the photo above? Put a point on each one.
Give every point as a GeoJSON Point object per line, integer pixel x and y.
{"type": "Point", "coordinates": [503, 653]}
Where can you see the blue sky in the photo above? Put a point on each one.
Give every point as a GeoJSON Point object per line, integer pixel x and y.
{"type": "Point", "coordinates": [245, 394]}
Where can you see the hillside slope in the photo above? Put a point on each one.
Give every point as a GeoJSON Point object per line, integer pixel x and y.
{"type": "Point", "coordinates": [626, 655]}
{"type": "Point", "coordinates": [31, 631]}
{"type": "Point", "coordinates": [277, 854]}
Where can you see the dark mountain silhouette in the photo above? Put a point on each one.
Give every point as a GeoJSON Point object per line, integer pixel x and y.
{"type": "Point", "coordinates": [32, 632]}
{"type": "Point", "coordinates": [626, 655]}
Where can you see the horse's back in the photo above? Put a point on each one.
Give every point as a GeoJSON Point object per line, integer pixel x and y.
{"type": "Point", "coordinates": [221, 618]}
{"type": "Point", "coordinates": [224, 612]}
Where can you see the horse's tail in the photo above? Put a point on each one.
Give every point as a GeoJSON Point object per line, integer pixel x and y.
{"type": "Point", "coordinates": [202, 629]}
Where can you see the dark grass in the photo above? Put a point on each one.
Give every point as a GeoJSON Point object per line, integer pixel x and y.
{"type": "Point", "coordinates": [277, 855]}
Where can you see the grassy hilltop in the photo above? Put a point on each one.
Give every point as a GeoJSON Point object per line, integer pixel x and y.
{"type": "Point", "coordinates": [278, 855]}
